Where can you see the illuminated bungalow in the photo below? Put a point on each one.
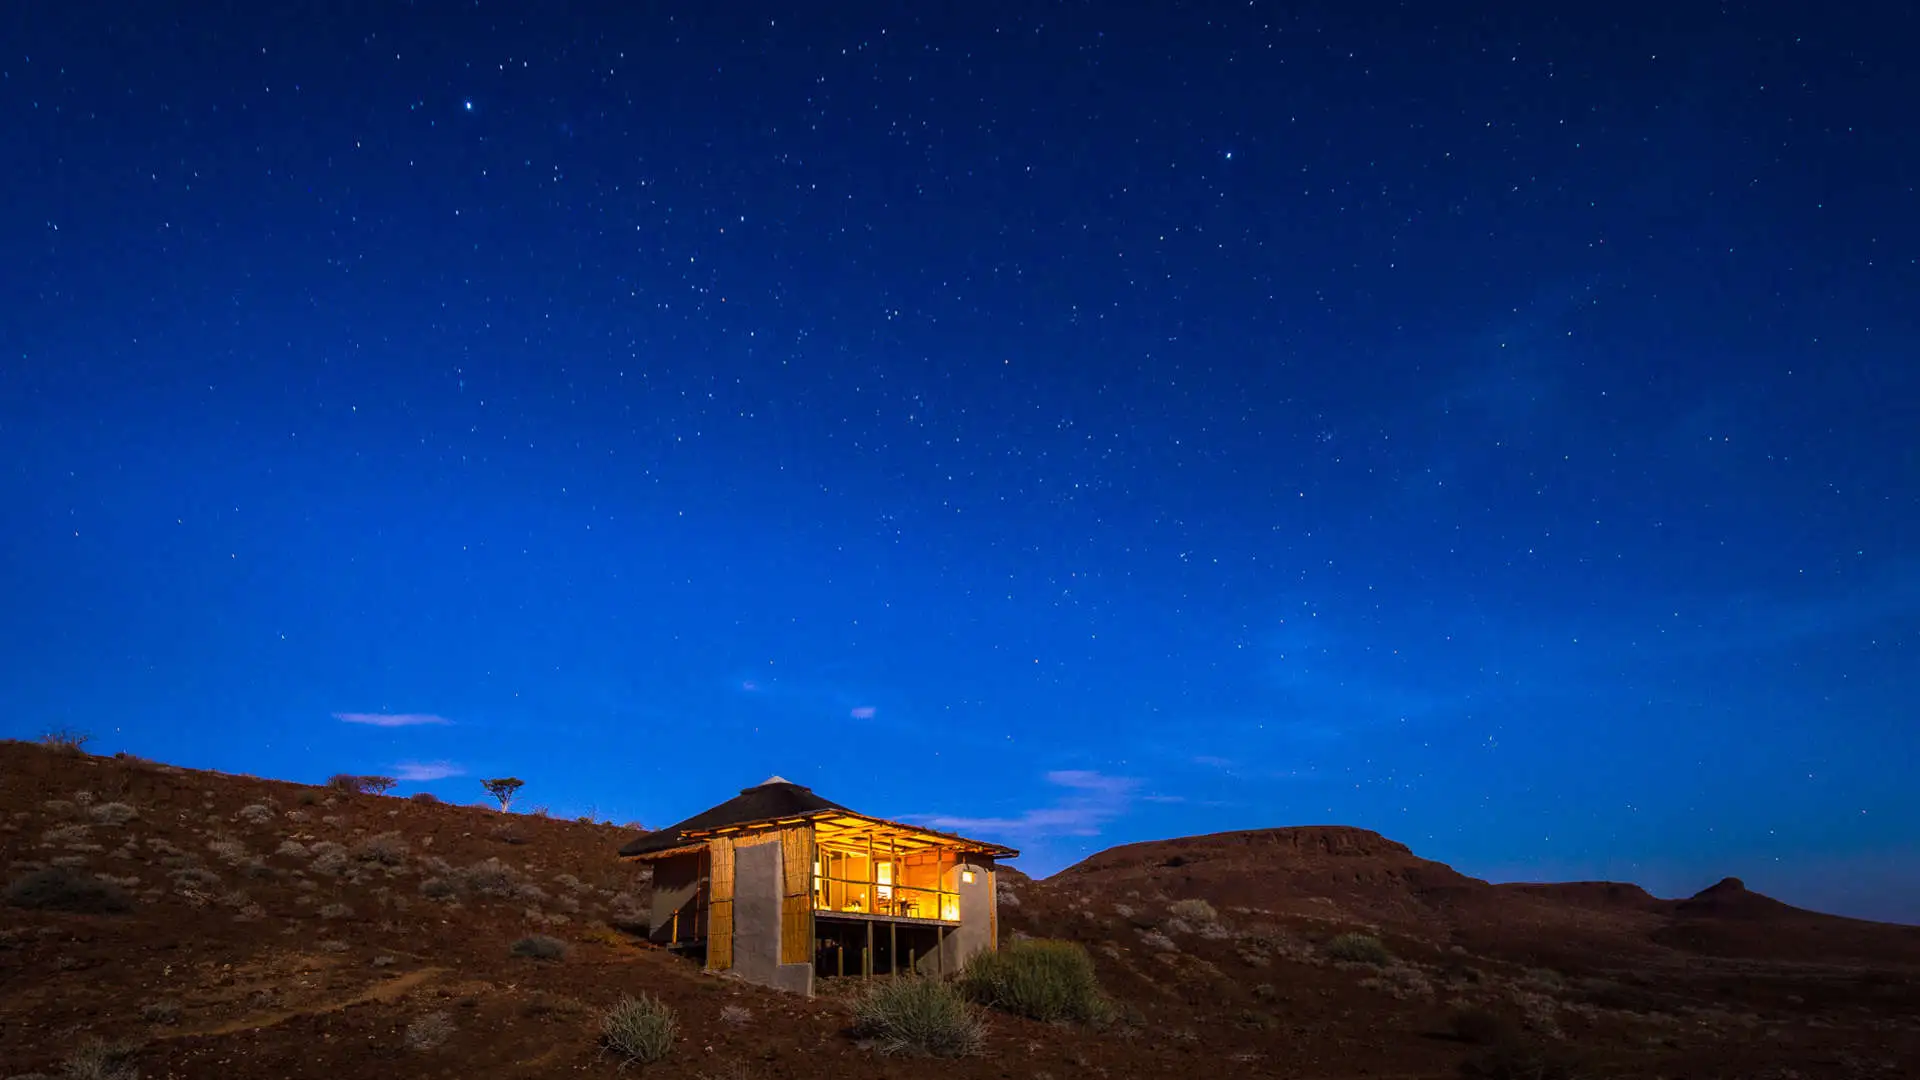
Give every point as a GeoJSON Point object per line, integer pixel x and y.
{"type": "Point", "coordinates": [779, 886]}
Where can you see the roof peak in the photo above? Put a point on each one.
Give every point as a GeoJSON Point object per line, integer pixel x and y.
{"type": "Point", "coordinates": [774, 779]}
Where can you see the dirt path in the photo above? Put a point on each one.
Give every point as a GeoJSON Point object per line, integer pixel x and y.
{"type": "Point", "coordinates": [386, 992]}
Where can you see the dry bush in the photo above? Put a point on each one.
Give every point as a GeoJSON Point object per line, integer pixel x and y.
{"type": "Point", "coordinates": [735, 1015]}
{"type": "Point", "coordinates": [60, 889]}
{"type": "Point", "coordinates": [292, 849]}
{"type": "Point", "coordinates": [429, 1031]}
{"type": "Point", "coordinates": [165, 1011]}
{"type": "Point", "coordinates": [427, 797]}
{"type": "Point", "coordinates": [73, 836]}
{"type": "Point", "coordinates": [639, 1029]}
{"type": "Point", "coordinates": [113, 813]}
{"type": "Point", "coordinates": [387, 849]}
{"type": "Point", "coordinates": [1359, 949]}
{"type": "Point", "coordinates": [539, 947]}
{"type": "Point", "coordinates": [489, 877]}
{"type": "Point", "coordinates": [1158, 942]}
{"type": "Point", "coordinates": [437, 888]}
{"type": "Point", "coordinates": [336, 911]}
{"type": "Point", "coordinates": [919, 1016]}
{"type": "Point", "coordinates": [66, 740]}
{"type": "Point", "coordinates": [97, 1059]}
{"type": "Point", "coordinates": [1193, 910]}
{"type": "Point", "coordinates": [255, 814]}
{"type": "Point", "coordinates": [1042, 979]}
{"type": "Point", "coordinates": [628, 913]}
{"type": "Point", "coordinates": [233, 851]}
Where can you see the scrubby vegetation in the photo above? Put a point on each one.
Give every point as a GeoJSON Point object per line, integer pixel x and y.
{"type": "Point", "coordinates": [1194, 910]}
{"type": "Point", "coordinates": [919, 1016]}
{"type": "Point", "coordinates": [58, 888]}
{"type": "Point", "coordinates": [1359, 949]}
{"type": "Point", "coordinates": [639, 1029]}
{"type": "Point", "coordinates": [429, 1030]}
{"type": "Point", "coordinates": [361, 785]}
{"type": "Point", "coordinates": [540, 947]}
{"type": "Point", "coordinates": [1038, 978]}
{"type": "Point", "coordinates": [96, 1059]}
{"type": "Point", "coordinates": [67, 740]}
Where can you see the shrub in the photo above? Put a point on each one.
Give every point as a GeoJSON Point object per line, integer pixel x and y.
{"type": "Point", "coordinates": [434, 888]}
{"type": "Point", "coordinates": [1359, 949]}
{"type": "Point", "coordinates": [74, 836]}
{"type": "Point", "coordinates": [1038, 978]}
{"type": "Point", "coordinates": [427, 797]}
{"type": "Point", "coordinates": [113, 813]}
{"type": "Point", "coordinates": [349, 784]}
{"type": "Point", "coordinates": [61, 889]}
{"type": "Point", "coordinates": [255, 814]}
{"type": "Point", "coordinates": [429, 1031]}
{"type": "Point", "coordinates": [161, 1012]}
{"type": "Point", "coordinates": [96, 1059]}
{"type": "Point", "coordinates": [292, 849]}
{"type": "Point", "coordinates": [489, 878]}
{"type": "Point", "coordinates": [919, 1016]}
{"type": "Point", "coordinates": [66, 740]}
{"type": "Point", "coordinates": [540, 947]}
{"type": "Point", "coordinates": [335, 911]}
{"type": "Point", "coordinates": [387, 849]}
{"type": "Point", "coordinates": [639, 1029]}
{"type": "Point", "coordinates": [1193, 910]}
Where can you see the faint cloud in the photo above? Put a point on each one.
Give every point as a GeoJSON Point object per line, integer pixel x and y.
{"type": "Point", "coordinates": [422, 771]}
{"type": "Point", "coordinates": [863, 712]}
{"type": "Point", "coordinates": [1212, 762]}
{"type": "Point", "coordinates": [1163, 798]}
{"type": "Point", "coordinates": [1091, 800]}
{"type": "Point", "coordinates": [390, 719]}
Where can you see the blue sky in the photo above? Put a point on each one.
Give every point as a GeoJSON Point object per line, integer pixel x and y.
{"type": "Point", "coordinates": [1068, 426]}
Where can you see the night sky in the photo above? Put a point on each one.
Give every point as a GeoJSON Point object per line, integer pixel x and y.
{"type": "Point", "coordinates": [1066, 424]}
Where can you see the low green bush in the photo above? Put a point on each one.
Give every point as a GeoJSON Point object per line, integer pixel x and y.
{"type": "Point", "coordinates": [639, 1029]}
{"type": "Point", "coordinates": [1038, 978]}
{"type": "Point", "coordinates": [919, 1016]}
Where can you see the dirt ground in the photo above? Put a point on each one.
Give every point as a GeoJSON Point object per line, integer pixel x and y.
{"type": "Point", "coordinates": [285, 931]}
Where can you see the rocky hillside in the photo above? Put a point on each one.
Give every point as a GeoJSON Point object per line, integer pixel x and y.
{"type": "Point", "coordinates": [217, 925]}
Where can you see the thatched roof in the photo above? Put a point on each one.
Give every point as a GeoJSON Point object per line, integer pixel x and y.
{"type": "Point", "coordinates": [782, 800]}
{"type": "Point", "coordinates": [773, 800]}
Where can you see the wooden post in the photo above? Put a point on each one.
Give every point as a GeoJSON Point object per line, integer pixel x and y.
{"type": "Point", "coordinates": [940, 953]}
{"type": "Point", "coordinates": [893, 949]}
{"type": "Point", "coordinates": [675, 933]}
{"type": "Point", "coordinates": [913, 962]}
{"type": "Point", "coordinates": [840, 958]}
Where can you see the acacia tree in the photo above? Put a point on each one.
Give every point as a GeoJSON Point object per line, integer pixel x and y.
{"type": "Point", "coordinates": [504, 789]}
